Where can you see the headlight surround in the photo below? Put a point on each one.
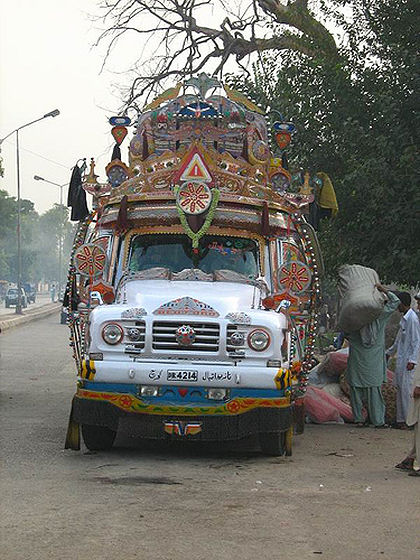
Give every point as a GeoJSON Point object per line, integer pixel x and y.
{"type": "Point", "coordinates": [112, 333]}
{"type": "Point", "coordinates": [259, 340]}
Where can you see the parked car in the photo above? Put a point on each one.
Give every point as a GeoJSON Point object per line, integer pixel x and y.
{"type": "Point", "coordinates": [12, 297]}
{"type": "Point", "coordinates": [30, 292]}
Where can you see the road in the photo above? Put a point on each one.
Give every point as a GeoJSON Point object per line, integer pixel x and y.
{"type": "Point", "coordinates": [338, 497]}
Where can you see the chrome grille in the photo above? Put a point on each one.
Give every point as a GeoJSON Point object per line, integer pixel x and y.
{"type": "Point", "coordinates": [206, 339]}
{"type": "Point", "coordinates": [134, 346]}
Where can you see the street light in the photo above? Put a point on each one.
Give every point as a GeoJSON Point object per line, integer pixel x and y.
{"type": "Point", "coordinates": [60, 248]}
{"type": "Point", "coordinates": [53, 113]}
{"type": "Point", "coordinates": [38, 178]}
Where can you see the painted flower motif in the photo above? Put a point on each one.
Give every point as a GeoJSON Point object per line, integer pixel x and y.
{"type": "Point", "coordinates": [233, 406]}
{"type": "Point", "coordinates": [194, 198]}
{"type": "Point", "coordinates": [185, 335]}
{"type": "Point", "coordinates": [90, 260]}
{"type": "Point", "coordinates": [125, 401]}
{"type": "Point", "coordinates": [295, 276]}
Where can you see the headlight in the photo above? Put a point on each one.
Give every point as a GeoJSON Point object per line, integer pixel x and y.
{"type": "Point", "coordinates": [258, 340]}
{"type": "Point", "coordinates": [112, 333]}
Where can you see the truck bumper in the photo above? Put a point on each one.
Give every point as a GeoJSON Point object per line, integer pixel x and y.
{"type": "Point", "coordinates": [236, 419]}
{"type": "Point", "coordinates": [185, 374]}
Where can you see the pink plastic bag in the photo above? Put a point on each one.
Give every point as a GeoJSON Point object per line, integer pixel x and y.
{"type": "Point", "coordinates": [318, 408]}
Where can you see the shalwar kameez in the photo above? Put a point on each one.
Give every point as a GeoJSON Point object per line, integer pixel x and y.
{"type": "Point", "coordinates": [366, 366]}
{"type": "Point", "coordinates": [407, 347]}
{"type": "Point", "coordinates": [413, 419]}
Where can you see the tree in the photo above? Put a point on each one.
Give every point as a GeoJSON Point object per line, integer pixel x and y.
{"type": "Point", "coordinates": [54, 231]}
{"type": "Point", "coordinates": [358, 120]}
{"type": "Point", "coordinates": [8, 237]}
{"type": "Point", "coordinates": [183, 46]}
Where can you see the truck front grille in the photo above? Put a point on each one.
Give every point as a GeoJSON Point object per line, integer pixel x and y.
{"type": "Point", "coordinates": [207, 336]}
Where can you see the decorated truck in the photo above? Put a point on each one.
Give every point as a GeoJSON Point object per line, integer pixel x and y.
{"type": "Point", "coordinates": [193, 283]}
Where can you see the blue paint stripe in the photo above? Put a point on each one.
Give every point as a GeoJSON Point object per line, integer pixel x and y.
{"type": "Point", "coordinates": [195, 395]}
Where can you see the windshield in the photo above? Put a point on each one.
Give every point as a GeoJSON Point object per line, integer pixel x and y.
{"type": "Point", "coordinates": [174, 252]}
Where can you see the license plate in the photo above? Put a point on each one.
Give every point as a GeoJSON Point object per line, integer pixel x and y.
{"type": "Point", "coordinates": [190, 376]}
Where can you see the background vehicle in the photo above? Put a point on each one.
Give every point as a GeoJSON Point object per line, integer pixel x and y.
{"type": "Point", "coordinates": [11, 297]}
{"type": "Point", "coordinates": [30, 291]}
{"type": "Point", "coordinates": [198, 283]}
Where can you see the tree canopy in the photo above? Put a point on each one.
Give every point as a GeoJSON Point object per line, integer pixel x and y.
{"type": "Point", "coordinates": [184, 43]}
{"type": "Point", "coordinates": [40, 240]}
{"type": "Point", "coordinates": [358, 120]}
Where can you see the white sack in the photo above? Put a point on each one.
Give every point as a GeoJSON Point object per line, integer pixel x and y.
{"type": "Point", "coordinates": [361, 303]}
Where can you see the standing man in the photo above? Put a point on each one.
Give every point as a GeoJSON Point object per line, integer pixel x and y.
{"type": "Point", "coordinates": [407, 347]}
{"type": "Point", "coordinates": [412, 461]}
{"type": "Point", "coordinates": [366, 366]}
{"type": "Point", "coordinates": [417, 298]}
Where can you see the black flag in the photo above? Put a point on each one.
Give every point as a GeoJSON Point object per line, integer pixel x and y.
{"type": "Point", "coordinates": [76, 198]}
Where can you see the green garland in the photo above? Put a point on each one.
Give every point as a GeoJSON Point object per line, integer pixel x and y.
{"type": "Point", "coordinates": [196, 236]}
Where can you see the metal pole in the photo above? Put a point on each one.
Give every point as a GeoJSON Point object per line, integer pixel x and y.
{"type": "Point", "coordinates": [19, 256]}
{"type": "Point", "coordinates": [60, 249]}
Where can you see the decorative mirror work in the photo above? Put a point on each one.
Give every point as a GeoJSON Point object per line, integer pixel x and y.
{"type": "Point", "coordinates": [239, 318]}
{"type": "Point", "coordinates": [117, 172]}
{"type": "Point", "coordinates": [133, 313]}
{"type": "Point", "coordinates": [186, 306]}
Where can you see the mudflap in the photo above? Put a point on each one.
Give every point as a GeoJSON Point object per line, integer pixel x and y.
{"type": "Point", "coordinates": [73, 431]}
{"type": "Point", "coordinates": [288, 442]}
{"type": "Point", "coordinates": [299, 416]}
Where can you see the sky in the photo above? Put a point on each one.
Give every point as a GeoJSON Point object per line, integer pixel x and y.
{"type": "Point", "coordinates": [47, 61]}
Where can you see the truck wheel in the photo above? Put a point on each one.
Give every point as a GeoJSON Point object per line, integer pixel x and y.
{"type": "Point", "coordinates": [7, 304]}
{"type": "Point", "coordinates": [98, 438]}
{"type": "Point", "coordinates": [273, 443]}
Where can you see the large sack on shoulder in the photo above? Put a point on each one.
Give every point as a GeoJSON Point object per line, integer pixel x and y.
{"type": "Point", "coordinates": [361, 303]}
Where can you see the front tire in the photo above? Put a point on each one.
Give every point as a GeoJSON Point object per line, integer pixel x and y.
{"type": "Point", "coordinates": [273, 443]}
{"type": "Point", "coordinates": [98, 438]}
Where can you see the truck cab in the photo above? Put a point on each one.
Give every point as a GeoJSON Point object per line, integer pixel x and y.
{"type": "Point", "coordinates": [200, 321]}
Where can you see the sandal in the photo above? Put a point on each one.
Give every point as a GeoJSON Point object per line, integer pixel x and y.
{"type": "Point", "coordinates": [414, 473]}
{"type": "Point", "coordinates": [362, 424]}
{"type": "Point", "coordinates": [406, 464]}
{"type": "Point", "coordinates": [400, 426]}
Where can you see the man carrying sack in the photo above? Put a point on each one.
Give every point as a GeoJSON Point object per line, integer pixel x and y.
{"type": "Point", "coordinates": [366, 307]}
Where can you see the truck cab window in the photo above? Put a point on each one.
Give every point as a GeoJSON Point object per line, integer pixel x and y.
{"type": "Point", "coordinates": [175, 253]}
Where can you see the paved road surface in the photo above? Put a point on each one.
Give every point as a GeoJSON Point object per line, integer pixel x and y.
{"type": "Point", "coordinates": [159, 502]}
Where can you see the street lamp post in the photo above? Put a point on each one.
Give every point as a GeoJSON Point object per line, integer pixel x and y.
{"type": "Point", "coordinates": [54, 113]}
{"type": "Point", "coordinates": [60, 241]}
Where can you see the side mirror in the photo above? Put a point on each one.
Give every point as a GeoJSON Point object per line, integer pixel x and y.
{"type": "Point", "coordinates": [96, 298]}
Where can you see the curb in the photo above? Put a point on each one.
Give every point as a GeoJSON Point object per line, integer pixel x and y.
{"type": "Point", "coordinates": [23, 319]}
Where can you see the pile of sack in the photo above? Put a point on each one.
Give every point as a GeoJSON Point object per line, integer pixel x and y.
{"type": "Point", "coordinates": [328, 394]}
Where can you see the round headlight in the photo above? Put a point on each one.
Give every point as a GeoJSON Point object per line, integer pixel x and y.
{"type": "Point", "coordinates": [112, 333]}
{"type": "Point", "coordinates": [258, 340]}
